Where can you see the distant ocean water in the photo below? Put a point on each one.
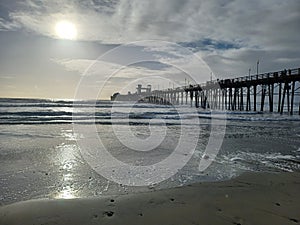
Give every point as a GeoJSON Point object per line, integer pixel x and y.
{"type": "Point", "coordinates": [39, 155]}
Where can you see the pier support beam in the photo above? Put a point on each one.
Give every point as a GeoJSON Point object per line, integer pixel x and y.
{"type": "Point", "coordinates": [254, 98]}
{"type": "Point", "coordinates": [225, 98]}
{"type": "Point", "coordinates": [196, 96]}
{"type": "Point", "coordinates": [191, 97]}
{"type": "Point", "coordinates": [292, 99]}
{"type": "Point", "coordinates": [263, 94]}
{"type": "Point", "coordinates": [230, 99]}
{"type": "Point", "coordinates": [271, 93]}
{"type": "Point", "coordinates": [234, 99]}
{"type": "Point", "coordinates": [283, 96]}
{"type": "Point", "coordinates": [288, 97]}
{"type": "Point", "coordinates": [241, 100]}
{"type": "Point", "coordinates": [279, 97]}
{"type": "Point", "coordinates": [248, 106]}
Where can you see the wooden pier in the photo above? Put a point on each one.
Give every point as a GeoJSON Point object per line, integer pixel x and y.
{"type": "Point", "coordinates": [273, 92]}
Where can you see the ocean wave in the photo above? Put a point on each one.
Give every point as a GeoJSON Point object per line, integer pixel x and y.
{"type": "Point", "coordinates": [261, 161]}
{"type": "Point", "coordinates": [41, 111]}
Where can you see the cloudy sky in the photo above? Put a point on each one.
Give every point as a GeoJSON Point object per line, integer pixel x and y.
{"type": "Point", "coordinates": [116, 44]}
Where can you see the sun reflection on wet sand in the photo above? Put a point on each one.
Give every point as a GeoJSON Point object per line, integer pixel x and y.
{"type": "Point", "coordinates": [66, 193]}
{"type": "Point", "coordinates": [67, 161]}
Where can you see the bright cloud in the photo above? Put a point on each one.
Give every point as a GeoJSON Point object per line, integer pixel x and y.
{"type": "Point", "coordinates": [253, 23]}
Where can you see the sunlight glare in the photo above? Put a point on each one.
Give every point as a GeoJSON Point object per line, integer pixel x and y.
{"type": "Point", "coordinates": [66, 30]}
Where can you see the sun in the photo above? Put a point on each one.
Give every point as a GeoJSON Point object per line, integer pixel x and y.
{"type": "Point", "coordinates": [66, 30]}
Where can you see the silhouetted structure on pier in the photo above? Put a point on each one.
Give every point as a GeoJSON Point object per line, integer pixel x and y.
{"type": "Point", "coordinates": [139, 95]}
{"type": "Point", "coordinates": [248, 93]}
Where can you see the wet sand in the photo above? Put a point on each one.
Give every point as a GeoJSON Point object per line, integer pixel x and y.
{"type": "Point", "coordinates": [252, 198]}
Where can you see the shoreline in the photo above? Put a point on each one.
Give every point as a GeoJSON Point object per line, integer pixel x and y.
{"type": "Point", "coordinates": [251, 198]}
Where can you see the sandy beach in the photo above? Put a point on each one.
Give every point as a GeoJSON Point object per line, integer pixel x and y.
{"type": "Point", "coordinates": [252, 198]}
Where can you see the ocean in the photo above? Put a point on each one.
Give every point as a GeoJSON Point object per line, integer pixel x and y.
{"type": "Point", "coordinates": [41, 152]}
